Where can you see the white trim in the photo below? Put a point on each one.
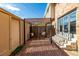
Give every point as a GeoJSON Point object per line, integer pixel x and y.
{"type": "Point", "coordinates": [47, 7]}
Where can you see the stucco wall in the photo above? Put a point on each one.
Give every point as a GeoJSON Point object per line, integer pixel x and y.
{"type": "Point", "coordinates": [52, 10]}
{"type": "Point", "coordinates": [63, 8]}
{"type": "Point", "coordinates": [77, 27]}
{"type": "Point", "coordinates": [4, 34]}
{"type": "Point", "coordinates": [48, 13]}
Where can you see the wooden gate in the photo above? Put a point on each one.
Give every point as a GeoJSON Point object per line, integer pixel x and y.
{"type": "Point", "coordinates": [38, 31]}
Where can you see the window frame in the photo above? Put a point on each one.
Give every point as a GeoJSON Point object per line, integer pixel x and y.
{"type": "Point", "coordinates": [69, 21]}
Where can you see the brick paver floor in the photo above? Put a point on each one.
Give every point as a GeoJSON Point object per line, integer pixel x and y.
{"type": "Point", "coordinates": [41, 47]}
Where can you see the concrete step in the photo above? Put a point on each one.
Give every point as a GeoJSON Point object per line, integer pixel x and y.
{"type": "Point", "coordinates": [71, 47]}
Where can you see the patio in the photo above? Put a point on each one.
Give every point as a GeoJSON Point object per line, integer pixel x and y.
{"type": "Point", "coordinates": [41, 47]}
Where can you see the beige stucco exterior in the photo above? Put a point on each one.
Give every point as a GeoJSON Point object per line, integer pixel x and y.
{"type": "Point", "coordinates": [50, 11]}
{"type": "Point", "coordinates": [65, 8]}
{"type": "Point", "coordinates": [61, 9]}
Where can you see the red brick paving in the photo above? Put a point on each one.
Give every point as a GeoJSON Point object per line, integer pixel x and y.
{"type": "Point", "coordinates": [41, 48]}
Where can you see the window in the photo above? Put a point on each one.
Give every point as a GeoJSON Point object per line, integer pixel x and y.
{"type": "Point", "coordinates": [61, 24]}
{"type": "Point", "coordinates": [67, 25]}
{"type": "Point", "coordinates": [58, 26]}
{"type": "Point", "coordinates": [72, 25]}
{"type": "Point", "coordinates": [73, 22]}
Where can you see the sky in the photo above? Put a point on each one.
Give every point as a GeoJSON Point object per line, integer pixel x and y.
{"type": "Point", "coordinates": [25, 10]}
